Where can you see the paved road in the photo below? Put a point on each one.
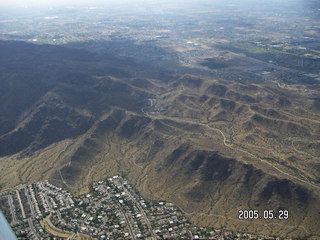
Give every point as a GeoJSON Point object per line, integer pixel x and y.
{"type": "Point", "coordinates": [53, 227]}
{"type": "Point", "coordinates": [128, 222]}
{"type": "Point", "coordinates": [12, 209]}
{"type": "Point", "coordinates": [142, 211]}
{"type": "Point", "coordinates": [48, 201]}
{"type": "Point", "coordinates": [30, 202]}
{"type": "Point", "coordinates": [33, 229]}
{"type": "Point", "coordinates": [20, 203]}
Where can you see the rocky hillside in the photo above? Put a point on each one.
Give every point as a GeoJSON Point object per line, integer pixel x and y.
{"type": "Point", "coordinates": [212, 146]}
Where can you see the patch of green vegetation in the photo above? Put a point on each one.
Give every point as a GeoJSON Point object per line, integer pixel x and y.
{"type": "Point", "coordinates": [258, 50]}
{"type": "Point", "coordinates": [290, 58]}
{"type": "Point", "coordinates": [243, 47]}
{"type": "Point", "coordinates": [213, 63]}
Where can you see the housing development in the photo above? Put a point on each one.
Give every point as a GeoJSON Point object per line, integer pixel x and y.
{"type": "Point", "coordinates": [112, 210]}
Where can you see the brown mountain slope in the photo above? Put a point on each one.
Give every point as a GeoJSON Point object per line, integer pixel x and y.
{"type": "Point", "coordinates": [210, 145]}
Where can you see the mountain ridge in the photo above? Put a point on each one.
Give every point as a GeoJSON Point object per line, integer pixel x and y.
{"type": "Point", "coordinates": [212, 146]}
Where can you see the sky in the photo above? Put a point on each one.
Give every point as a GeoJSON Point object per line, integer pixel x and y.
{"type": "Point", "coordinates": [41, 3]}
{"type": "Point", "coordinates": [53, 3]}
{"type": "Point", "coordinates": [60, 2]}
{"type": "Point", "coordinates": [33, 4]}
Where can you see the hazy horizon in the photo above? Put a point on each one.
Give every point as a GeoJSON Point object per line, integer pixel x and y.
{"type": "Point", "coordinates": [87, 2]}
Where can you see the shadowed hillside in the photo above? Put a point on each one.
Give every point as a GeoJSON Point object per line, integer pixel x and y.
{"type": "Point", "coordinates": [211, 145]}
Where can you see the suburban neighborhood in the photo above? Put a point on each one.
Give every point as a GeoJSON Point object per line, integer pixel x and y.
{"type": "Point", "coordinates": [111, 210]}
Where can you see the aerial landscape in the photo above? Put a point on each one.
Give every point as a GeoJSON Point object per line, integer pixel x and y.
{"type": "Point", "coordinates": [137, 119]}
